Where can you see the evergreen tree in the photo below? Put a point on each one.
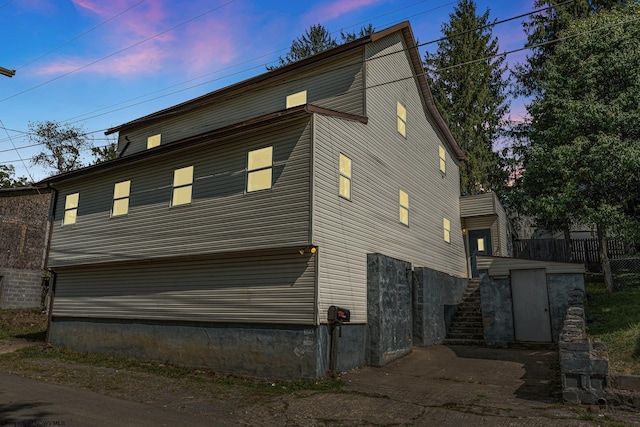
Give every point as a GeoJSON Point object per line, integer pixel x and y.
{"type": "Point", "coordinates": [583, 158]}
{"type": "Point", "coordinates": [543, 29]}
{"type": "Point", "coordinates": [465, 76]}
{"type": "Point", "coordinates": [317, 39]}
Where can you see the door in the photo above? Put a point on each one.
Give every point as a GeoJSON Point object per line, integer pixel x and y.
{"type": "Point", "coordinates": [530, 305]}
{"type": "Point", "coordinates": [479, 244]}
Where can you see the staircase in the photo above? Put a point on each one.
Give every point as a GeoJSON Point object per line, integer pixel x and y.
{"type": "Point", "coordinates": [466, 325]}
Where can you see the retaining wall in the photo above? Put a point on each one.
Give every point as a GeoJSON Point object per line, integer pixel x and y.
{"type": "Point", "coordinates": [20, 288]}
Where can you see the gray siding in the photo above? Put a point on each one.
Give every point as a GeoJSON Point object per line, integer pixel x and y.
{"type": "Point", "coordinates": [221, 217]}
{"type": "Point", "coordinates": [383, 162]}
{"type": "Point", "coordinates": [337, 86]}
{"type": "Point", "coordinates": [482, 211]}
{"type": "Point", "coordinates": [477, 205]}
{"type": "Point", "coordinates": [242, 288]}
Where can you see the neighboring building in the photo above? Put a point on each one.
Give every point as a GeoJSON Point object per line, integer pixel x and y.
{"type": "Point", "coordinates": [23, 241]}
{"type": "Point", "coordinates": [230, 223]}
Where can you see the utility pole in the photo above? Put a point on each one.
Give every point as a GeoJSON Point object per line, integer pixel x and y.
{"type": "Point", "coordinates": [7, 72]}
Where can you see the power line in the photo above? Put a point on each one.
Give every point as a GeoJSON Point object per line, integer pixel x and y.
{"type": "Point", "coordinates": [119, 51]}
{"type": "Point", "coordinates": [80, 35]}
{"type": "Point", "coordinates": [19, 156]}
{"type": "Point", "coordinates": [392, 53]}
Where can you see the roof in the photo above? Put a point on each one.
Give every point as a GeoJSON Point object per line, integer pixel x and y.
{"type": "Point", "coordinates": [304, 65]}
{"type": "Point", "coordinates": [206, 137]}
{"type": "Point", "coordinates": [21, 191]}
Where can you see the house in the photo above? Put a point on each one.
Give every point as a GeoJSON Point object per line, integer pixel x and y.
{"type": "Point", "coordinates": [24, 235]}
{"type": "Point", "coordinates": [485, 227]}
{"type": "Point", "coordinates": [230, 224]}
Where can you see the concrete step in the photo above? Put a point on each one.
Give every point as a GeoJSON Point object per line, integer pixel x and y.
{"type": "Point", "coordinates": [465, 336]}
{"type": "Point", "coordinates": [467, 325]}
{"type": "Point", "coordinates": [463, 341]}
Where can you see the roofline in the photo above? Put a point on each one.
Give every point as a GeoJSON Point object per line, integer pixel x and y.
{"type": "Point", "coordinates": [244, 85]}
{"type": "Point", "coordinates": [191, 141]}
{"type": "Point", "coordinates": [6, 192]}
{"type": "Point", "coordinates": [299, 66]}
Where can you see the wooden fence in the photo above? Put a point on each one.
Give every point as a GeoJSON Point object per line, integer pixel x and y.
{"type": "Point", "coordinates": [583, 251]}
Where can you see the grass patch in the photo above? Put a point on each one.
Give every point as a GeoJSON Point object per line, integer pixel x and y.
{"type": "Point", "coordinates": [24, 323]}
{"type": "Point", "coordinates": [614, 318]}
{"type": "Point", "coordinates": [121, 363]}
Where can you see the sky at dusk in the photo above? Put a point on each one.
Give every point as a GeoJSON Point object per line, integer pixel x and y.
{"type": "Point", "coordinates": [98, 63]}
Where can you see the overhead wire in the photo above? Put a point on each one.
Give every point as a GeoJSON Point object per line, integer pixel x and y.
{"type": "Point", "coordinates": [80, 35]}
{"type": "Point", "coordinates": [505, 53]}
{"type": "Point", "coordinates": [117, 52]}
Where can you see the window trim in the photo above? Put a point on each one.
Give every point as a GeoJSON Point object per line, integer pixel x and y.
{"type": "Point", "coordinates": [180, 186]}
{"type": "Point", "coordinates": [296, 99]}
{"type": "Point", "coordinates": [446, 226]}
{"type": "Point", "coordinates": [154, 141]}
{"type": "Point", "coordinates": [71, 208]}
{"type": "Point", "coordinates": [401, 108]}
{"type": "Point", "coordinates": [442, 154]}
{"type": "Point", "coordinates": [347, 177]}
{"type": "Point", "coordinates": [258, 169]}
{"type": "Point", "coordinates": [117, 199]}
{"type": "Point", "coordinates": [403, 207]}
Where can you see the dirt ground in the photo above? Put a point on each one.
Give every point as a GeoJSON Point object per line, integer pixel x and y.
{"type": "Point", "coordinates": [439, 385]}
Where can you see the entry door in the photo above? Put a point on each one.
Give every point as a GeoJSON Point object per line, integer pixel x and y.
{"type": "Point", "coordinates": [530, 305]}
{"type": "Point", "coordinates": [479, 244]}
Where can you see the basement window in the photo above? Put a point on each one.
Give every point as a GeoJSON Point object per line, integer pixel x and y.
{"type": "Point", "coordinates": [443, 159]}
{"type": "Point", "coordinates": [182, 186]}
{"type": "Point", "coordinates": [446, 224]}
{"type": "Point", "coordinates": [71, 208]}
{"type": "Point", "coordinates": [260, 169]}
{"type": "Point", "coordinates": [404, 208]}
{"type": "Point", "coordinates": [345, 177]}
{"type": "Point", "coordinates": [153, 141]}
{"type": "Point", "coordinates": [299, 98]}
{"type": "Point", "coordinates": [402, 119]}
{"type": "Point", "coordinates": [121, 198]}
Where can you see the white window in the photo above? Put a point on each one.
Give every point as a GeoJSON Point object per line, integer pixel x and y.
{"type": "Point", "coordinates": [446, 224]}
{"type": "Point", "coordinates": [182, 186]}
{"type": "Point", "coordinates": [402, 119]}
{"type": "Point", "coordinates": [260, 169]}
{"type": "Point", "coordinates": [443, 159]}
{"type": "Point", "coordinates": [121, 192]}
{"type": "Point", "coordinates": [345, 177]}
{"type": "Point", "coordinates": [299, 98]}
{"type": "Point", "coordinates": [153, 141]}
{"type": "Point", "coordinates": [71, 208]}
{"type": "Point", "coordinates": [404, 208]}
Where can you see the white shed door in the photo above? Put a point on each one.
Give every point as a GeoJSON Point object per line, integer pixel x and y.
{"type": "Point", "coordinates": [530, 305]}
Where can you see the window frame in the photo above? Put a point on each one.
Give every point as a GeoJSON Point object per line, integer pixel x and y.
{"type": "Point", "coordinates": [154, 141]}
{"type": "Point", "coordinates": [442, 155]}
{"type": "Point", "coordinates": [401, 119]}
{"type": "Point", "coordinates": [446, 226]}
{"type": "Point", "coordinates": [296, 99]}
{"type": "Point", "coordinates": [120, 198]}
{"type": "Point", "coordinates": [176, 188]}
{"type": "Point", "coordinates": [403, 207]}
{"type": "Point", "coordinates": [348, 178]}
{"type": "Point", "coordinates": [257, 170]}
{"type": "Point", "coordinates": [71, 208]}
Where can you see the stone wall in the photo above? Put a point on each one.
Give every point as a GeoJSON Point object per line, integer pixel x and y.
{"type": "Point", "coordinates": [584, 364]}
{"type": "Point", "coordinates": [23, 244]}
{"type": "Point", "coordinates": [436, 295]}
{"type": "Point", "coordinates": [20, 288]}
{"type": "Point", "coordinates": [389, 319]}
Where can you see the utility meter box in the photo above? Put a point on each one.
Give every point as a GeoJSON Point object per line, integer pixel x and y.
{"type": "Point", "coordinates": [337, 314]}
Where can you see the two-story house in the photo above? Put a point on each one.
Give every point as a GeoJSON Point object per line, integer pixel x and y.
{"type": "Point", "coordinates": [230, 223]}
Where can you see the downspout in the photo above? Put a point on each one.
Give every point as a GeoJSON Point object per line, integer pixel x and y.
{"type": "Point", "coordinates": [52, 279]}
